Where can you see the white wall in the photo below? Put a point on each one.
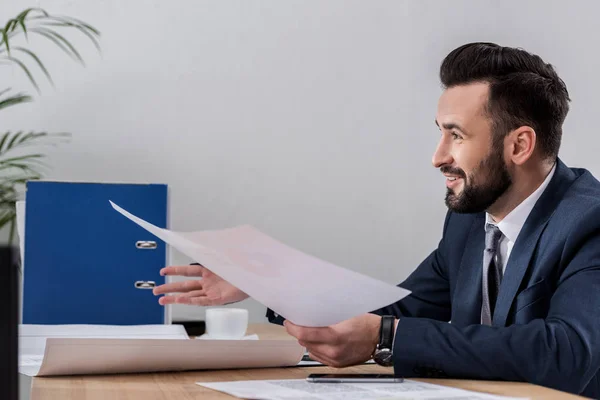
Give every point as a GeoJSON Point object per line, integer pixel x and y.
{"type": "Point", "coordinates": [311, 120]}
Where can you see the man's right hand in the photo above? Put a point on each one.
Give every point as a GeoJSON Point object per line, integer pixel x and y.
{"type": "Point", "coordinates": [211, 290]}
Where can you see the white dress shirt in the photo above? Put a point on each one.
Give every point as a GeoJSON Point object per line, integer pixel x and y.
{"type": "Point", "coordinates": [512, 224]}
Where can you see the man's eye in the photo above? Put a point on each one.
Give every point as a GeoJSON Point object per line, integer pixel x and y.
{"type": "Point", "coordinates": [455, 135]}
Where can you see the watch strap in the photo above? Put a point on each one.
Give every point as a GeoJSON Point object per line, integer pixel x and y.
{"type": "Point", "coordinates": [386, 332]}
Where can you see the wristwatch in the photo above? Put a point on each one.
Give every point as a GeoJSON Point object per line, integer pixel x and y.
{"type": "Point", "coordinates": [383, 351]}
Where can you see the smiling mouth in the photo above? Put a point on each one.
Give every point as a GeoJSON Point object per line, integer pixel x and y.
{"type": "Point", "coordinates": [452, 181]}
{"type": "Point", "coordinates": [452, 177]}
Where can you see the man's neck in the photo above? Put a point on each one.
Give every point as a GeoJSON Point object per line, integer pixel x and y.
{"type": "Point", "coordinates": [526, 180]}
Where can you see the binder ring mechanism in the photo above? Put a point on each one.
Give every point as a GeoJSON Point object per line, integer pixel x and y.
{"type": "Point", "coordinates": [145, 284]}
{"type": "Point", "coordinates": [145, 244]}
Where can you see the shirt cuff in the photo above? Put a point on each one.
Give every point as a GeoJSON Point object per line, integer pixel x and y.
{"type": "Point", "coordinates": [395, 329]}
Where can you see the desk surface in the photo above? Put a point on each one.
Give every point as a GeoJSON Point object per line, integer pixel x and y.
{"type": "Point", "coordinates": [181, 385]}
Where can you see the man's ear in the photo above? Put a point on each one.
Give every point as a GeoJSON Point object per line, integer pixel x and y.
{"type": "Point", "coordinates": [522, 142]}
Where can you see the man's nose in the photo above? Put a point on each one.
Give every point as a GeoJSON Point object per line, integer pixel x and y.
{"type": "Point", "coordinates": [441, 156]}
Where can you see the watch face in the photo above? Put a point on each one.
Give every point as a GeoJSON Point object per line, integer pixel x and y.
{"type": "Point", "coordinates": [383, 357]}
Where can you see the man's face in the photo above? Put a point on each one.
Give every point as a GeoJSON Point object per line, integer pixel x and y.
{"type": "Point", "coordinates": [474, 165]}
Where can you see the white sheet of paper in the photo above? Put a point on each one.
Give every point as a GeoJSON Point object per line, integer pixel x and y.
{"type": "Point", "coordinates": [30, 364]}
{"type": "Point", "coordinates": [302, 288]}
{"type": "Point", "coordinates": [296, 389]}
{"type": "Point", "coordinates": [318, 364]}
{"type": "Point", "coordinates": [113, 356]}
{"type": "Point", "coordinates": [312, 363]}
{"type": "Point", "coordinates": [247, 337]}
{"type": "Point", "coordinates": [33, 338]}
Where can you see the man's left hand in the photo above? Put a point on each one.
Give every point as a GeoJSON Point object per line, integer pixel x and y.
{"type": "Point", "coordinates": [347, 343]}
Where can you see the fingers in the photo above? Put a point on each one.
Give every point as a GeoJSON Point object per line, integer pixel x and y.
{"type": "Point", "coordinates": [310, 335]}
{"type": "Point", "coordinates": [322, 343]}
{"type": "Point", "coordinates": [198, 301]}
{"type": "Point", "coordinates": [163, 301]}
{"type": "Point", "coordinates": [321, 359]}
{"type": "Point", "coordinates": [196, 297]}
{"type": "Point", "coordinates": [183, 270]}
{"type": "Point", "coordinates": [178, 287]}
{"type": "Point", "coordinates": [193, 293]}
{"type": "Point", "coordinates": [333, 356]}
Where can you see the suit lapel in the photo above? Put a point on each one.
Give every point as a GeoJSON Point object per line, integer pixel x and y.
{"type": "Point", "coordinates": [468, 284]}
{"type": "Point", "coordinates": [527, 241]}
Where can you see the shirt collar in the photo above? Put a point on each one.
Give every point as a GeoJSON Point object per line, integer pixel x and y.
{"type": "Point", "coordinates": [512, 224]}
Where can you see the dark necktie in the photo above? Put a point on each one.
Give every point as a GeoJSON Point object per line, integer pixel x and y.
{"type": "Point", "coordinates": [492, 274]}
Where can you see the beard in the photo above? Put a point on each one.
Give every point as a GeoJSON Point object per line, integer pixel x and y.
{"type": "Point", "coordinates": [476, 198]}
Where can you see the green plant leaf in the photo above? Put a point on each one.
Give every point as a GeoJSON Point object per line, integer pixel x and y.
{"type": "Point", "coordinates": [4, 139]}
{"type": "Point", "coordinates": [23, 16]}
{"type": "Point", "coordinates": [25, 13]}
{"type": "Point", "coordinates": [49, 32]}
{"type": "Point", "coordinates": [13, 100]}
{"type": "Point", "coordinates": [84, 24]}
{"type": "Point", "coordinates": [17, 165]}
{"type": "Point", "coordinates": [9, 23]}
{"type": "Point", "coordinates": [37, 60]}
{"type": "Point", "coordinates": [82, 29]}
{"type": "Point", "coordinates": [29, 166]}
{"type": "Point", "coordinates": [31, 136]}
{"type": "Point", "coordinates": [26, 70]}
{"type": "Point", "coordinates": [6, 215]}
{"type": "Point", "coordinates": [10, 182]}
{"type": "Point", "coordinates": [21, 166]}
{"type": "Point", "coordinates": [13, 140]}
{"type": "Point", "coordinates": [5, 40]}
{"type": "Point", "coordinates": [10, 141]}
{"type": "Point", "coordinates": [7, 197]}
{"type": "Point", "coordinates": [24, 27]}
{"type": "Point", "coordinates": [21, 158]}
{"type": "Point", "coordinates": [71, 20]}
{"type": "Point", "coordinates": [36, 20]}
{"type": "Point", "coordinates": [42, 32]}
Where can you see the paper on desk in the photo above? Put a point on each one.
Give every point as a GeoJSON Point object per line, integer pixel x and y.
{"type": "Point", "coordinates": [309, 362]}
{"type": "Point", "coordinates": [247, 337]}
{"type": "Point", "coordinates": [300, 389]}
{"type": "Point", "coordinates": [46, 350]}
{"type": "Point", "coordinates": [33, 338]}
{"type": "Point", "coordinates": [302, 288]}
{"type": "Point", "coordinates": [112, 356]}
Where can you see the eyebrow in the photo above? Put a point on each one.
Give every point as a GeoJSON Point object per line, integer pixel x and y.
{"type": "Point", "coordinates": [450, 126]}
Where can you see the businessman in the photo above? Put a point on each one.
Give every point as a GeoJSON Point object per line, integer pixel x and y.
{"type": "Point", "coordinates": [513, 290]}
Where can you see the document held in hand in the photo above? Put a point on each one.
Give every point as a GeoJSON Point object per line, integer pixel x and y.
{"type": "Point", "coordinates": [302, 288]}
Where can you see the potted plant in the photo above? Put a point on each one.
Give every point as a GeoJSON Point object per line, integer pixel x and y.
{"type": "Point", "coordinates": [19, 164]}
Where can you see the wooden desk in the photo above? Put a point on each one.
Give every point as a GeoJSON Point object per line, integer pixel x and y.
{"type": "Point", "coordinates": [181, 385]}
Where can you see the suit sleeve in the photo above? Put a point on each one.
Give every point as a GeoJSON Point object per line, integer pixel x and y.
{"type": "Point", "coordinates": [558, 351]}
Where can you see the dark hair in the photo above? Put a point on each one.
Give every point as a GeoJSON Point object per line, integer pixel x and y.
{"type": "Point", "coordinates": [524, 90]}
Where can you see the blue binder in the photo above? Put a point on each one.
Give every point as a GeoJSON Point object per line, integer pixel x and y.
{"type": "Point", "coordinates": [84, 262]}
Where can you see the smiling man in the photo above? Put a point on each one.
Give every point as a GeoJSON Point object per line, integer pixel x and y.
{"type": "Point", "coordinates": [467, 145]}
{"type": "Point", "coordinates": [512, 291]}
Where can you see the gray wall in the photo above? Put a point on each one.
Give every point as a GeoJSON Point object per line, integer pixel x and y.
{"type": "Point", "coordinates": [311, 120]}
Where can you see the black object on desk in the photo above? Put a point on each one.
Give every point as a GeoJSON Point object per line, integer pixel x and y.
{"type": "Point", "coordinates": [192, 328]}
{"type": "Point", "coordinates": [9, 318]}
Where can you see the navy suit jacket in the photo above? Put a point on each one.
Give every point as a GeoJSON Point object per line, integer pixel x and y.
{"type": "Point", "coordinates": [546, 324]}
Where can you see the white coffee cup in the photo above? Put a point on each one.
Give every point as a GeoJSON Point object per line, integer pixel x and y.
{"type": "Point", "coordinates": [226, 323]}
